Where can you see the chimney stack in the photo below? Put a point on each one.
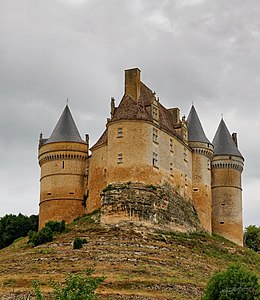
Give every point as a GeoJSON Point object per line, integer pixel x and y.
{"type": "Point", "coordinates": [132, 83]}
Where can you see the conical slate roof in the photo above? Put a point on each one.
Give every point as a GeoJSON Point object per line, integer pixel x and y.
{"type": "Point", "coordinates": [223, 142]}
{"type": "Point", "coordinates": [65, 130]}
{"type": "Point", "coordinates": [195, 130]}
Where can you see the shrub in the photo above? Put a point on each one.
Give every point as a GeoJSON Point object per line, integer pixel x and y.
{"type": "Point", "coordinates": [233, 284]}
{"type": "Point", "coordinates": [43, 236]}
{"type": "Point", "coordinates": [75, 287]}
{"type": "Point", "coordinates": [56, 226]}
{"type": "Point", "coordinates": [78, 242]}
{"type": "Point", "coordinates": [252, 237]}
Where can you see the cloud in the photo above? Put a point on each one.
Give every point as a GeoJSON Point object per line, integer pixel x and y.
{"type": "Point", "coordinates": [201, 51]}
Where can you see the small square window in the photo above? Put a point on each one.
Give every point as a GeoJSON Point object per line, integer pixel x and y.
{"type": "Point", "coordinates": [171, 145]}
{"type": "Point", "coordinates": [119, 158]}
{"type": "Point", "coordinates": [120, 132]}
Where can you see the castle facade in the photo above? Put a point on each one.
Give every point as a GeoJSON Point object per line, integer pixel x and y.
{"type": "Point", "coordinates": [149, 166]}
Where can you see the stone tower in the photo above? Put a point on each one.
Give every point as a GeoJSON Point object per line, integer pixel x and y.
{"type": "Point", "coordinates": [202, 153]}
{"type": "Point", "coordinates": [227, 166]}
{"type": "Point", "coordinates": [63, 160]}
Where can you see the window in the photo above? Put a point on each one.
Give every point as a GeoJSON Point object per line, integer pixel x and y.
{"type": "Point", "coordinates": [185, 154]}
{"type": "Point", "coordinates": [48, 194]}
{"type": "Point", "coordinates": [195, 190]}
{"type": "Point", "coordinates": [171, 145]}
{"type": "Point", "coordinates": [155, 135]}
{"type": "Point", "coordinates": [222, 222]}
{"type": "Point", "coordinates": [120, 132]}
{"type": "Point", "coordinates": [119, 158]}
{"type": "Point", "coordinates": [63, 164]}
{"type": "Point", "coordinates": [155, 159]}
{"type": "Point", "coordinates": [171, 168]}
{"type": "Point", "coordinates": [208, 164]}
{"type": "Point", "coordinates": [186, 180]}
{"type": "Point", "coordinates": [155, 112]}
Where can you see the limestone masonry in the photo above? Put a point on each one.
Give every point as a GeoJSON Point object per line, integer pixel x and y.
{"type": "Point", "coordinates": [149, 167]}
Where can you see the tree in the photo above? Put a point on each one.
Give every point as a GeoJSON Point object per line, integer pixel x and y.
{"type": "Point", "coordinates": [233, 284]}
{"type": "Point", "coordinates": [13, 227]}
{"type": "Point", "coordinates": [252, 237]}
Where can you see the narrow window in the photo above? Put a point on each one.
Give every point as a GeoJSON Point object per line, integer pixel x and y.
{"type": "Point", "coordinates": [185, 154]}
{"type": "Point", "coordinates": [63, 164]}
{"type": "Point", "coordinates": [221, 222]}
{"type": "Point", "coordinates": [120, 132]}
{"type": "Point", "coordinates": [48, 194]}
{"type": "Point", "coordinates": [223, 204]}
{"type": "Point", "coordinates": [119, 158]}
{"type": "Point", "coordinates": [155, 135]}
{"type": "Point", "coordinates": [71, 193]}
{"type": "Point", "coordinates": [171, 145]}
{"type": "Point", "coordinates": [155, 160]}
{"type": "Point", "coordinates": [186, 180]}
{"type": "Point", "coordinates": [171, 168]}
{"type": "Point", "coordinates": [195, 190]}
{"type": "Point", "coordinates": [208, 164]}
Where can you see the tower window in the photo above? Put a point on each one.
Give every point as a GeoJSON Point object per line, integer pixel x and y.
{"type": "Point", "coordinates": [208, 164]}
{"type": "Point", "coordinates": [195, 190]}
{"type": "Point", "coordinates": [119, 158]}
{"type": "Point", "coordinates": [171, 145]}
{"type": "Point", "coordinates": [223, 204]}
{"type": "Point", "coordinates": [48, 194]}
{"type": "Point", "coordinates": [221, 222]}
{"type": "Point", "coordinates": [171, 168]}
{"type": "Point", "coordinates": [155, 160]}
{"type": "Point", "coordinates": [63, 165]}
{"type": "Point", "coordinates": [120, 132]}
{"type": "Point", "coordinates": [155, 135]}
{"type": "Point", "coordinates": [185, 154]}
{"type": "Point", "coordinates": [71, 193]}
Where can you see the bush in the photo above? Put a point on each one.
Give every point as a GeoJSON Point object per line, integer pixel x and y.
{"type": "Point", "coordinates": [43, 236]}
{"type": "Point", "coordinates": [78, 242]}
{"type": "Point", "coordinates": [56, 226]}
{"type": "Point", "coordinates": [252, 237]}
{"type": "Point", "coordinates": [233, 284]}
{"type": "Point", "coordinates": [75, 287]}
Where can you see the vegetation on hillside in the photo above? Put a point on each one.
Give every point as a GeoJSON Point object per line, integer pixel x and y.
{"type": "Point", "coordinates": [252, 237]}
{"type": "Point", "coordinates": [13, 227]}
{"type": "Point", "coordinates": [235, 283]}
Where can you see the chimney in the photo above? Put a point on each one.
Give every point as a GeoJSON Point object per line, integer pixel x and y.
{"type": "Point", "coordinates": [234, 137]}
{"type": "Point", "coordinates": [132, 83]}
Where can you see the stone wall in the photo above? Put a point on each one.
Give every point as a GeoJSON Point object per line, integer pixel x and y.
{"type": "Point", "coordinates": [149, 205]}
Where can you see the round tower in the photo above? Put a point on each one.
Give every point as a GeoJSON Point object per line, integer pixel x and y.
{"type": "Point", "coordinates": [202, 153]}
{"type": "Point", "coordinates": [62, 159]}
{"type": "Point", "coordinates": [227, 166]}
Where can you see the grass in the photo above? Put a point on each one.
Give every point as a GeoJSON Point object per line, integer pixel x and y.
{"type": "Point", "coordinates": [153, 265]}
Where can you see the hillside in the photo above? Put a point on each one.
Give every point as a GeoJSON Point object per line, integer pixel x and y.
{"type": "Point", "coordinates": [138, 263]}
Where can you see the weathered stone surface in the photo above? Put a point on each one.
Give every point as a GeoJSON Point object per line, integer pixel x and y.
{"type": "Point", "coordinates": [150, 205]}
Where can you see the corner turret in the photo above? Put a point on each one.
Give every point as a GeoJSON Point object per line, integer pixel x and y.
{"type": "Point", "coordinates": [227, 166]}
{"type": "Point", "coordinates": [202, 153]}
{"type": "Point", "coordinates": [63, 161]}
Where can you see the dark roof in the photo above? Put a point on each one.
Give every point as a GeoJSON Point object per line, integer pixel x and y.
{"type": "Point", "coordinates": [101, 140]}
{"type": "Point", "coordinates": [223, 142]}
{"type": "Point", "coordinates": [65, 130]}
{"type": "Point", "coordinates": [195, 129]}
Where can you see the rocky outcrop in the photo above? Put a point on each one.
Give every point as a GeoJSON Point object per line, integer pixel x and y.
{"type": "Point", "coordinates": [156, 206]}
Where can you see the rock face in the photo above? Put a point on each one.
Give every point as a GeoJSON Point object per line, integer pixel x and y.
{"type": "Point", "coordinates": [153, 206]}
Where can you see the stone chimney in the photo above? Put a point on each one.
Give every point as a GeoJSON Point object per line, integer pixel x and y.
{"type": "Point", "coordinates": [132, 83]}
{"type": "Point", "coordinates": [234, 137]}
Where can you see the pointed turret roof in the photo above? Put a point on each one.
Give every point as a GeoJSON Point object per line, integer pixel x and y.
{"type": "Point", "coordinates": [65, 130]}
{"type": "Point", "coordinates": [195, 129]}
{"type": "Point", "coordinates": [223, 142]}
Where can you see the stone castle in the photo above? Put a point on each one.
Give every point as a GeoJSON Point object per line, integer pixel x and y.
{"type": "Point", "coordinates": [149, 166]}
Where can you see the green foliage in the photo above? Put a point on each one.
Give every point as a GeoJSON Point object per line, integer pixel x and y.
{"type": "Point", "coordinates": [55, 226]}
{"type": "Point", "coordinates": [233, 284]}
{"type": "Point", "coordinates": [43, 236]}
{"type": "Point", "coordinates": [78, 242]}
{"type": "Point", "coordinates": [75, 287]}
{"type": "Point", "coordinates": [46, 233]}
{"type": "Point", "coordinates": [252, 237]}
{"type": "Point", "coordinates": [13, 227]}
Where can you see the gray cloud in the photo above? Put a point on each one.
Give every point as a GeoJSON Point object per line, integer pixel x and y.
{"type": "Point", "coordinates": [201, 51]}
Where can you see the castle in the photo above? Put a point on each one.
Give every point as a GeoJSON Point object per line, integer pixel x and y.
{"type": "Point", "coordinates": [149, 166]}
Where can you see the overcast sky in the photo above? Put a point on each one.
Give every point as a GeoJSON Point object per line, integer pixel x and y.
{"type": "Point", "coordinates": [205, 52]}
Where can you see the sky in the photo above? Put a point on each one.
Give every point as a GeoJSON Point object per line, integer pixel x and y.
{"type": "Point", "coordinates": [204, 52]}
